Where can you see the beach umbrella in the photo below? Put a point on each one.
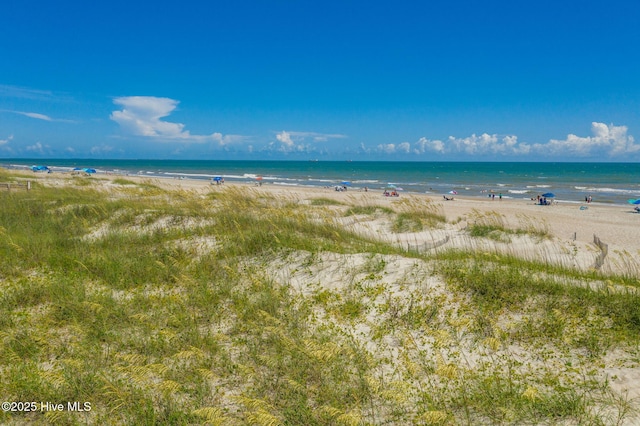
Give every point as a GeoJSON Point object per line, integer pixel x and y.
{"type": "Point", "coordinates": [84, 169]}
{"type": "Point", "coordinates": [549, 195]}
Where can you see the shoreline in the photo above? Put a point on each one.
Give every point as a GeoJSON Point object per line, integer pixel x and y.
{"type": "Point", "coordinates": [608, 184]}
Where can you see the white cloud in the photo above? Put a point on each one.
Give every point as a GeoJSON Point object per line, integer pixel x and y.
{"type": "Point", "coordinates": [36, 115]}
{"type": "Point", "coordinates": [484, 144]}
{"type": "Point", "coordinates": [404, 147]}
{"type": "Point", "coordinates": [23, 92]}
{"type": "Point", "coordinates": [285, 138]}
{"type": "Point", "coordinates": [101, 149]}
{"type": "Point", "coordinates": [387, 148]}
{"type": "Point", "coordinates": [609, 140]}
{"type": "Point", "coordinates": [142, 116]}
{"type": "Point", "coordinates": [427, 145]}
{"type": "Point", "coordinates": [38, 148]}
{"type": "Point", "coordinates": [7, 140]}
{"type": "Point", "coordinates": [295, 141]}
{"type": "Point", "coordinates": [39, 116]}
{"type": "Point", "coordinates": [474, 144]}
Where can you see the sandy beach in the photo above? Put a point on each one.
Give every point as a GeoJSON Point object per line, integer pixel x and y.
{"type": "Point", "coordinates": [571, 226]}
{"type": "Point", "coordinates": [417, 322]}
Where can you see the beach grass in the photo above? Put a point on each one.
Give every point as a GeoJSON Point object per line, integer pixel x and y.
{"type": "Point", "coordinates": [493, 225]}
{"type": "Point", "coordinates": [232, 307]}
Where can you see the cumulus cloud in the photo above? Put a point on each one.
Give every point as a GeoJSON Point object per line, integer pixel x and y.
{"type": "Point", "coordinates": [427, 145]}
{"type": "Point", "coordinates": [387, 148]}
{"type": "Point", "coordinates": [404, 147]}
{"type": "Point", "coordinates": [290, 141]}
{"type": "Point", "coordinates": [142, 116]}
{"type": "Point", "coordinates": [37, 148]}
{"type": "Point", "coordinates": [606, 140]}
{"type": "Point", "coordinates": [609, 140]}
{"type": "Point", "coordinates": [476, 145]}
{"type": "Point", "coordinates": [285, 138]}
{"type": "Point", "coordinates": [101, 149]}
{"type": "Point", "coordinates": [488, 144]}
{"type": "Point", "coordinates": [390, 148]}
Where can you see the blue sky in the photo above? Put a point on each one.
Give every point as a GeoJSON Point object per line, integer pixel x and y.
{"type": "Point", "coordinates": [403, 80]}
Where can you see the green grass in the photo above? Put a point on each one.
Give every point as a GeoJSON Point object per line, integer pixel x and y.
{"type": "Point", "coordinates": [122, 181]}
{"type": "Point", "coordinates": [110, 299]}
{"type": "Point", "coordinates": [369, 210]}
{"type": "Point", "coordinates": [325, 202]}
{"type": "Point", "coordinates": [492, 225]}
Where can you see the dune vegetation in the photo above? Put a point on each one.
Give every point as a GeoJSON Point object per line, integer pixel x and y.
{"type": "Point", "coordinates": [229, 306]}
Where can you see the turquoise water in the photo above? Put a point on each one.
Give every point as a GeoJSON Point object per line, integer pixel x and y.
{"type": "Point", "coordinates": [571, 182]}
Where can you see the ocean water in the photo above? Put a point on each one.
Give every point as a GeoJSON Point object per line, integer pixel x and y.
{"type": "Point", "coordinates": [571, 182]}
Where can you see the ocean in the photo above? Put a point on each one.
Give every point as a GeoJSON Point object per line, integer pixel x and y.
{"type": "Point", "coordinates": [611, 183]}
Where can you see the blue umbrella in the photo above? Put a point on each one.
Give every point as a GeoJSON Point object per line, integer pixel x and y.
{"type": "Point", "coordinates": [84, 169]}
{"type": "Point", "coordinates": [549, 195]}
